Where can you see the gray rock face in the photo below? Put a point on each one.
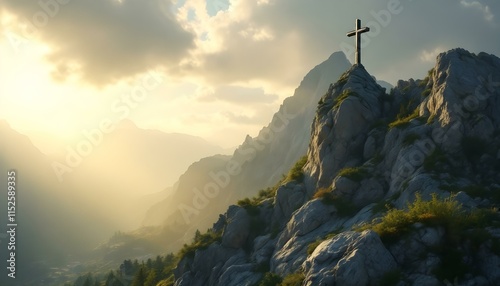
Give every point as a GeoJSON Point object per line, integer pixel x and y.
{"type": "Point", "coordinates": [237, 275]}
{"type": "Point", "coordinates": [289, 197]}
{"type": "Point", "coordinates": [237, 229]}
{"type": "Point", "coordinates": [465, 97]}
{"type": "Point", "coordinates": [263, 249]}
{"type": "Point", "coordinates": [350, 258]}
{"type": "Point", "coordinates": [311, 222]}
{"type": "Point", "coordinates": [309, 217]}
{"type": "Point", "coordinates": [340, 127]}
{"type": "Point", "coordinates": [431, 147]}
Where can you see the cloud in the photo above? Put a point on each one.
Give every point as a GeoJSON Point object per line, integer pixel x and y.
{"type": "Point", "coordinates": [103, 41]}
{"type": "Point", "coordinates": [485, 9]}
{"type": "Point", "coordinates": [237, 95]}
{"type": "Point", "coordinates": [430, 56]}
{"type": "Point", "coordinates": [267, 44]}
{"type": "Point", "coordinates": [256, 119]}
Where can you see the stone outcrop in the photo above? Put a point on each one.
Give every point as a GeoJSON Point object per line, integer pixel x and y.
{"type": "Point", "coordinates": [350, 258]}
{"type": "Point", "coordinates": [369, 148]}
{"type": "Point", "coordinates": [340, 128]}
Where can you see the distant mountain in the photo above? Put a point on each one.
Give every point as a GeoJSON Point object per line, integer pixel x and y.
{"type": "Point", "coordinates": [49, 217]}
{"type": "Point", "coordinates": [109, 190]}
{"type": "Point", "coordinates": [151, 159]}
{"type": "Point", "coordinates": [210, 185]}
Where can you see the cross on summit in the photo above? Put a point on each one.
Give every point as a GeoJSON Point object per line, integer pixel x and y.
{"type": "Point", "coordinates": [358, 33]}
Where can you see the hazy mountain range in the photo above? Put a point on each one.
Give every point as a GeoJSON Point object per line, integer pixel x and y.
{"type": "Point", "coordinates": [110, 190]}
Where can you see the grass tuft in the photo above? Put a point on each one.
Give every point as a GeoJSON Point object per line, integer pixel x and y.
{"type": "Point", "coordinates": [296, 173]}
{"type": "Point", "coordinates": [356, 174]}
{"type": "Point", "coordinates": [294, 279]}
{"type": "Point", "coordinates": [200, 242]}
{"type": "Point", "coordinates": [403, 121]}
{"type": "Point", "coordinates": [435, 212]}
{"type": "Point", "coordinates": [341, 97]}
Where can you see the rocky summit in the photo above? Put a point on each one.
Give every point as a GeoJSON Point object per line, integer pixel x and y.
{"type": "Point", "coordinates": [397, 188]}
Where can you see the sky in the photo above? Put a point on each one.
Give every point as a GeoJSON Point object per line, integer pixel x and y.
{"type": "Point", "coordinates": [217, 69]}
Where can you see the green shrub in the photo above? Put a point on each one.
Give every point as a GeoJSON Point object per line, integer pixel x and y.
{"type": "Point", "coordinates": [448, 213]}
{"type": "Point", "coordinates": [403, 121]}
{"type": "Point", "coordinates": [426, 92]}
{"type": "Point", "coordinates": [424, 82]}
{"type": "Point", "coordinates": [343, 79]}
{"type": "Point", "coordinates": [430, 73]}
{"type": "Point", "coordinates": [356, 174]}
{"type": "Point", "coordinates": [344, 207]}
{"type": "Point", "coordinates": [266, 194]}
{"type": "Point", "coordinates": [325, 194]}
{"type": "Point", "coordinates": [200, 242]}
{"type": "Point", "coordinates": [270, 279]}
{"type": "Point", "coordinates": [250, 205]}
{"type": "Point", "coordinates": [294, 279]}
{"type": "Point", "coordinates": [312, 246]}
{"type": "Point", "coordinates": [296, 173]}
{"type": "Point", "coordinates": [341, 97]}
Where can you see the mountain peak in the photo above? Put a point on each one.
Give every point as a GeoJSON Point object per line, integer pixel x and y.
{"type": "Point", "coordinates": [4, 124]}
{"type": "Point", "coordinates": [337, 57]}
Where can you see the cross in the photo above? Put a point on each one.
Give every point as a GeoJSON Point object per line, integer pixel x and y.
{"type": "Point", "coordinates": [358, 33]}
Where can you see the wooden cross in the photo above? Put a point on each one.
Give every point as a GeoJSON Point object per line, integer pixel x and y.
{"type": "Point", "coordinates": [358, 33]}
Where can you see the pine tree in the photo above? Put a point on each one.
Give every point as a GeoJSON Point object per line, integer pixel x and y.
{"type": "Point", "coordinates": [149, 263]}
{"type": "Point", "coordinates": [158, 264]}
{"type": "Point", "coordinates": [88, 281]}
{"type": "Point", "coordinates": [127, 267]}
{"type": "Point", "coordinates": [139, 277]}
{"type": "Point", "coordinates": [197, 236]}
{"type": "Point", "coordinates": [110, 278]}
{"type": "Point", "coordinates": [152, 278]}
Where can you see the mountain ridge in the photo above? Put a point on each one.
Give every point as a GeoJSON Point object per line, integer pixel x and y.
{"type": "Point", "coordinates": [325, 226]}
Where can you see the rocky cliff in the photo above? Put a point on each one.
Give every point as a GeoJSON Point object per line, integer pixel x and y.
{"type": "Point", "coordinates": [398, 188]}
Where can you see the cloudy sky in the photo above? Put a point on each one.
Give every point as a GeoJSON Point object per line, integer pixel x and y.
{"type": "Point", "coordinates": [218, 69]}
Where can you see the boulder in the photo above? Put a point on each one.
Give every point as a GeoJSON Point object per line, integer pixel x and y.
{"type": "Point", "coordinates": [350, 258]}
{"type": "Point", "coordinates": [289, 197]}
{"type": "Point", "coordinates": [240, 275]}
{"type": "Point", "coordinates": [237, 229]}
